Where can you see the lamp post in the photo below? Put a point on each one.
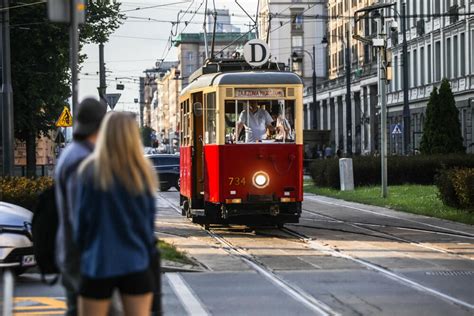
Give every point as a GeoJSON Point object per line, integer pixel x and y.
{"type": "Point", "coordinates": [347, 62]}
{"type": "Point", "coordinates": [295, 57]}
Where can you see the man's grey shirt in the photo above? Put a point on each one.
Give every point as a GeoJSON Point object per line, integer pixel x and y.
{"type": "Point", "coordinates": [65, 176]}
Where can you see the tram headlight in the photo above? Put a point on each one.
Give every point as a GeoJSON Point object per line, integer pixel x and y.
{"type": "Point", "coordinates": [260, 179]}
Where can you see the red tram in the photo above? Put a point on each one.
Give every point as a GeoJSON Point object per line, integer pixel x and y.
{"type": "Point", "coordinates": [248, 177]}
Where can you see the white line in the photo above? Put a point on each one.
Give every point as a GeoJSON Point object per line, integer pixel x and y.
{"type": "Point", "coordinates": [190, 302]}
{"type": "Point", "coordinates": [315, 199]}
{"type": "Point", "coordinates": [394, 276]}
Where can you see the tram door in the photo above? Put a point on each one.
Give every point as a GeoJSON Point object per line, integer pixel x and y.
{"type": "Point", "coordinates": [198, 154]}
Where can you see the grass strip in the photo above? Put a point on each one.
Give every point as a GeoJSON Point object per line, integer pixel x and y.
{"type": "Point", "coordinates": [416, 199]}
{"type": "Point", "coordinates": [169, 252]}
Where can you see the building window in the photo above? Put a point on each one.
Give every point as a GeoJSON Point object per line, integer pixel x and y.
{"type": "Point", "coordinates": [437, 7]}
{"type": "Point", "coordinates": [472, 50]}
{"type": "Point", "coordinates": [463, 55]}
{"type": "Point", "coordinates": [297, 42]}
{"type": "Point", "coordinates": [409, 83]}
{"type": "Point", "coordinates": [449, 73]}
{"type": "Point", "coordinates": [437, 63]}
{"type": "Point", "coordinates": [297, 21]}
{"type": "Point", "coordinates": [396, 73]}
{"type": "Point", "coordinates": [429, 63]}
{"type": "Point", "coordinates": [189, 56]}
{"type": "Point", "coordinates": [422, 66]}
{"type": "Point", "coordinates": [415, 68]}
{"type": "Point", "coordinates": [455, 57]}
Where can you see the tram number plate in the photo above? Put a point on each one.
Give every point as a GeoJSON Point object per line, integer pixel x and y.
{"type": "Point", "coordinates": [237, 181]}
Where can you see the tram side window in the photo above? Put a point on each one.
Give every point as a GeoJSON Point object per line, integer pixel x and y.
{"type": "Point", "coordinates": [185, 119]}
{"type": "Point", "coordinates": [259, 121]}
{"type": "Point", "coordinates": [210, 128]}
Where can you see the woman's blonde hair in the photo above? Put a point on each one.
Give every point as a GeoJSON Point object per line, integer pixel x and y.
{"type": "Point", "coordinates": [119, 155]}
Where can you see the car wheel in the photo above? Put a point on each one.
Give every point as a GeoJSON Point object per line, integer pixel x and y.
{"type": "Point", "coordinates": [164, 188]}
{"type": "Point", "coordinates": [178, 183]}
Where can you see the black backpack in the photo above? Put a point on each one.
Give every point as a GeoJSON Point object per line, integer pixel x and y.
{"type": "Point", "coordinates": [44, 229]}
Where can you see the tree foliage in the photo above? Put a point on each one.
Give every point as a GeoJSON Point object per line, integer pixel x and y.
{"type": "Point", "coordinates": [40, 66]}
{"type": "Point", "coordinates": [442, 130]}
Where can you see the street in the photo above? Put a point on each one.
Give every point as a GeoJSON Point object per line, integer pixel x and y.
{"type": "Point", "coordinates": [342, 258]}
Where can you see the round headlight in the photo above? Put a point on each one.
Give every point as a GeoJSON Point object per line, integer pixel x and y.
{"type": "Point", "coordinates": [260, 179]}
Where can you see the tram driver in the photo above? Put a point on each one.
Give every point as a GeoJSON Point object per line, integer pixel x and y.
{"type": "Point", "coordinates": [256, 121]}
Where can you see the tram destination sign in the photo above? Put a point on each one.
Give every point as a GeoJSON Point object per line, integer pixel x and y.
{"type": "Point", "coordinates": [260, 93]}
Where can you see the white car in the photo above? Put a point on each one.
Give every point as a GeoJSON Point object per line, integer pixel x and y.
{"type": "Point", "coordinates": [16, 244]}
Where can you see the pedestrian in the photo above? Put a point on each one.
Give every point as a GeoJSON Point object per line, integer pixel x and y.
{"type": "Point", "coordinates": [114, 226]}
{"type": "Point", "coordinates": [88, 117]}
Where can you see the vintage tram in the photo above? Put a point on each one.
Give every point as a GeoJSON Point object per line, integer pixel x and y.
{"type": "Point", "coordinates": [232, 177]}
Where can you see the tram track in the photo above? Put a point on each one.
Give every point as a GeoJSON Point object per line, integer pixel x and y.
{"type": "Point", "coordinates": [387, 273]}
{"type": "Point", "coordinates": [310, 301]}
{"type": "Point", "coordinates": [384, 235]}
{"type": "Point", "coordinates": [292, 290]}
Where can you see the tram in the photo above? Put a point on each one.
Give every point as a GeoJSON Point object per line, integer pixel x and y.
{"type": "Point", "coordinates": [227, 173]}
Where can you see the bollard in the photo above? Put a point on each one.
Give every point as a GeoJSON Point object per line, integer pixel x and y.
{"type": "Point", "coordinates": [346, 174]}
{"type": "Point", "coordinates": [8, 284]}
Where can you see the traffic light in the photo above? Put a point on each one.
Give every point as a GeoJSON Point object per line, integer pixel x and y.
{"type": "Point", "coordinates": [59, 11]}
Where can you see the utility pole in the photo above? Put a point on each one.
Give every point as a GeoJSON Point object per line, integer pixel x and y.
{"type": "Point", "coordinates": [383, 107]}
{"type": "Point", "coordinates": [102, 84]}
{"type": "Point", "coordinates": [315, 110]}
{"type": "Point", "coordinates": [74, 46]}
{"type": "Point", "coordinates": [406, 106]}
{"type": "Point", "coordinates": [6, 99]}
{"type": "Point", "coordinates": [348, 98]}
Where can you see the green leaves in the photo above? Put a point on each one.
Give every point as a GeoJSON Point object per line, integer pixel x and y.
{"type": "Point", "coordinates": [442, 130]}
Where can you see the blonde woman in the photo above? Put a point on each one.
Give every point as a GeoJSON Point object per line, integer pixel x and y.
{"type": "Point", "coordinates": [114, 228]}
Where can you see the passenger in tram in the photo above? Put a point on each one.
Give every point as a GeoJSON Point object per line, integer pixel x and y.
{"type": "Point", "coordinates": [256, 121]}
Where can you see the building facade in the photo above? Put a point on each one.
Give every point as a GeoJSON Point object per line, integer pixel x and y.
{"type": "Point", "coordinates": [192, 49]}
{"type": "Point", "coordinates": [438, 47]}
{"type": "Point", "coordinates": [292, 29]}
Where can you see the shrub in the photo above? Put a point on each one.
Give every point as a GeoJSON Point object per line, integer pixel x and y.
{"type": "Point", "coordinates": [401, 169]}
{"type": "Point", "coordinates": [23, 191]}
{"type": "Point", "coordinates": [463, 183]}
{"type": "Point", "coordinates": [447, 192]}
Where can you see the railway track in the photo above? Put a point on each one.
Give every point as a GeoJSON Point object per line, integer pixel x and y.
{"type": "Point", "coordinates": [316, 306]}
{"type": "Point", "coordinates": [371, 230]}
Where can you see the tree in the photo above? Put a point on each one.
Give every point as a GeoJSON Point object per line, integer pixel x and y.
{"type": "Point", "coordinates": [442, 130]}
{"type": "Point", "coordinates": [40, 67]}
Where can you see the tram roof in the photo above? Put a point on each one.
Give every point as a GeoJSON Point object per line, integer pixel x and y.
{"type": "Point", "coordinates": [247, 77]}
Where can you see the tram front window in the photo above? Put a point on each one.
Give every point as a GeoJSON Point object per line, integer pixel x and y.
{"type": "Point", "coordinates": [256, 121]}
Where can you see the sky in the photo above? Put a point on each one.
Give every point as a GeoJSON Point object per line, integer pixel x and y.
{"type": "Point", "coordinates": [143, 40]}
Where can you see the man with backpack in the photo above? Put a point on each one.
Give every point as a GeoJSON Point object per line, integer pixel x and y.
{"type": "Point", "coordinates": [88, 116]}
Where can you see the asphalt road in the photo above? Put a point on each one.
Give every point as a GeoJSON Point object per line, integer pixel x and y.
{"type": "Point", "coordinates": [342, 258]}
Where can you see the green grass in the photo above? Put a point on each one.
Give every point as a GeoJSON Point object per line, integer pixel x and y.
{"type": "Point", "coordinates": [169, 252]}
{"type": "Point", "coordinates": [416, 199]}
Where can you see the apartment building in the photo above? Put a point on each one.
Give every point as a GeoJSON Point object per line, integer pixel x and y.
{"type": "Point", "coordinates": [439, 46]}
{"type": "Point", "coordinates": [343, 52]}
{"type": "Point", "coordinates": [291, 30]}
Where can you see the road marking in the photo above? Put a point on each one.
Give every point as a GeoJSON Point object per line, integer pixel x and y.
{"type": "Point", "coordinates": [315, 199]}
{"type": "Point", "coordinates": [292, 290]}
{"type": "Point", "coordinates": [190, 302]}
{"type": "Point", "coordinates": [29, 306]}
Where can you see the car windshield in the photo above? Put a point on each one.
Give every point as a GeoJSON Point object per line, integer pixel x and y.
{"type": "Point", "coordinates": [252, 121]}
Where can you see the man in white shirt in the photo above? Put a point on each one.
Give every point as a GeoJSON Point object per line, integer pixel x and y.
{"type": "Point", "coordinates": [256, 121]}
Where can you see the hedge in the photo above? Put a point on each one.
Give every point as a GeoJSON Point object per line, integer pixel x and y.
{"type": "Point", "coordinates": [23, 191]}
{"type": "Point", "coordinates": [456, 187]}
{"type": "Point", "coordinates": [418, 169]}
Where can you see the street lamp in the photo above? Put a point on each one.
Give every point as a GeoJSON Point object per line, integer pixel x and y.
{"type": "Point", "coordinates": [347, 61]}
{"type": "Point", "coordinates": [295, 57]}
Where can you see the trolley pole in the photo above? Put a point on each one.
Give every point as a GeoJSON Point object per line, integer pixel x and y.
{"type": "Point", "coordinates": [383, 107]}
{"type": "Point", "coordinates": [315, 110]}
{"type": "Point", "coordinates": [406, 106]}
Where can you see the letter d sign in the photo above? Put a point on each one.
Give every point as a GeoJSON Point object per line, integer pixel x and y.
{"type": "Point", "coordinates": [256, 52]}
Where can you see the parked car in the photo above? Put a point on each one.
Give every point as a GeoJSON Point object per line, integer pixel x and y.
{"type": "Point", "coordinates": [16, 241]}
{"type": "Point", "coordinates": [167, 169]}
